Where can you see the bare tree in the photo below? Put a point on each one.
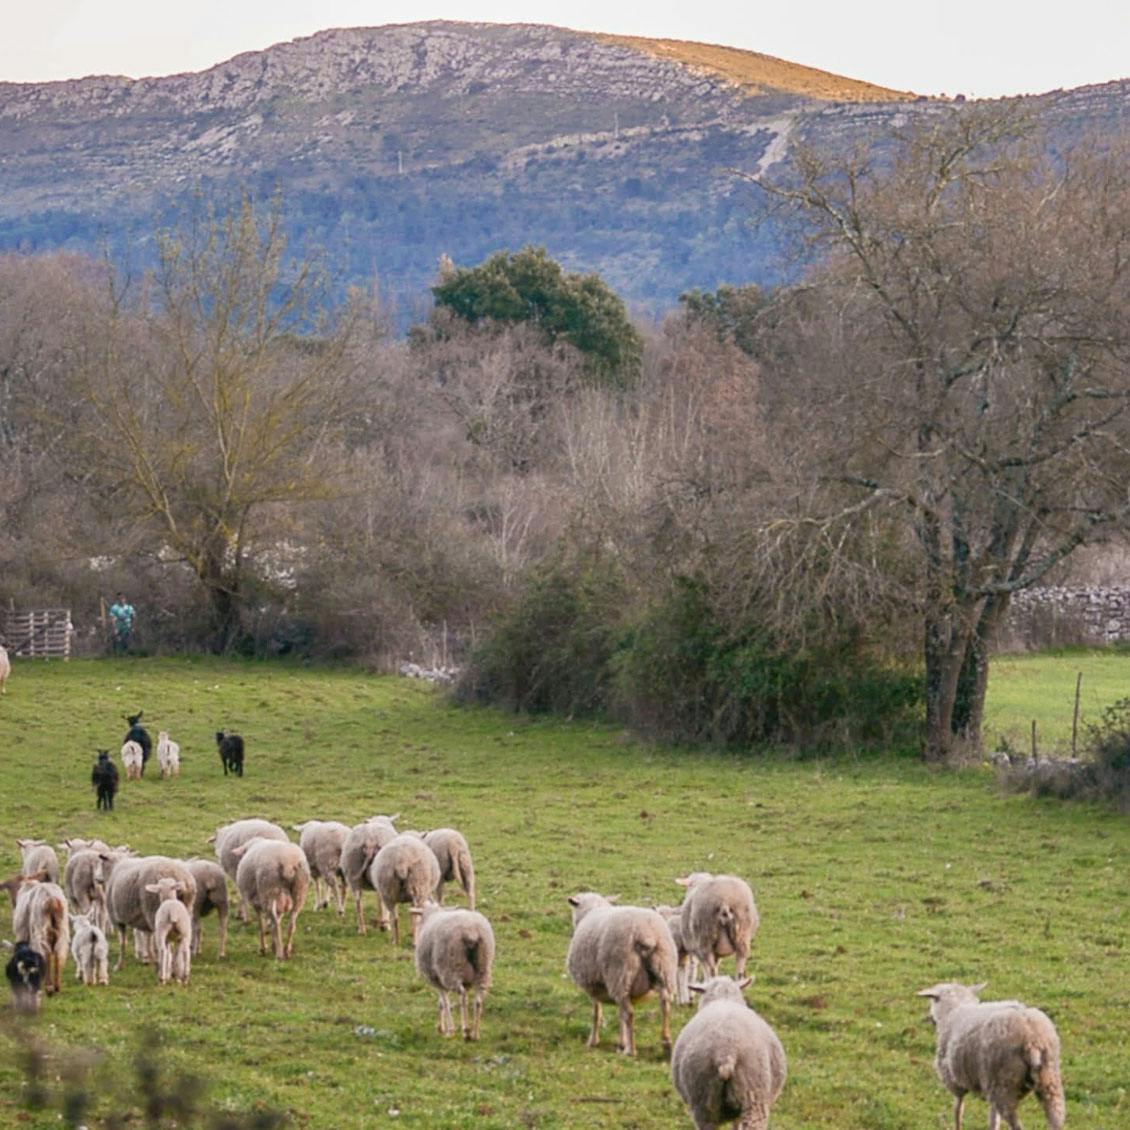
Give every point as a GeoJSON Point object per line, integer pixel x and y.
{"type": "Point", "coordinates": [970, 363]}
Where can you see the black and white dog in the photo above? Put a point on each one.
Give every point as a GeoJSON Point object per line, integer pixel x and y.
{"type": "Point", "coordinates": [25, 972]}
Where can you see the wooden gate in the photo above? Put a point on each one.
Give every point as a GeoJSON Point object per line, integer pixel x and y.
{"type": "Point", "coordinates": [43, 633]}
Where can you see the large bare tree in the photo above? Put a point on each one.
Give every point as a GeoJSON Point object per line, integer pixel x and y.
{"type": "Point", "coordinates": [964, 349]}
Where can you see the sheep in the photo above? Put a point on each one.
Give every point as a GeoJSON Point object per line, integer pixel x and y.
{"type": "Point", "coordinates": [5, 669]}
{"type": "Point", "coordinates": [357, 854]}
{"type": "Point", "coordinates": [73, 845]}
{"type": "Point", "coordinates": [84, 879]}
{"type": "Point", "coordinates": [455, 952]}
{"type": "Point", "coordinates": [172, 931]}
{"type": "Point", "coordinates": [25, 972]}
{"type": "Point", "coordinates": [998, 1050]}
{"type": "Point", "coordinates": [404, 870]}
{"type": "Point", "coordinates": [688, 966]}
{"type": "Point", "coordinates": [718, 918]}
{"type": "Point", "coordinates": [231, 752]}
{"type": "Point", "coordinates": [620, 954]}
{"type": "Point", "coordinates": [727, 1063]}
{"type": "Point", "coordinates": [168, 755]}
{"type": "Point", "coordinates": [322, 841]}
{"type": "Point", "coordinates": [133, 761]}
{"type": "Point", "coordinates": [229, 838]}
{"type": "Point", "coordinates": [139, 735]}
{"type": "Point", "coordinates": [131, 906]}
{"type": "Point", "coordinates": [455, 864]}
{"type": "Point", "coordinates": [90, 950]}
{"type": "Point", "coordinates": [273, 879]}
{"type": "Point", "coordinates": [40, 919]}
{"type": "Point", "coordinates": [104, 780]}
{"type": "Point", "coordinates": [211, 894]}
{"type": "Point", "coordinates": [38, 858]}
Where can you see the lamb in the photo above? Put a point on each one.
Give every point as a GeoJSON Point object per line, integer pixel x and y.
{"type": "Point", "coordinates": [168, 755]}
{"type": "Point", "coordinates": [139, 735]}
{"type": "Point", "coordinates": [404, 870]}
{"type": "Point", "coordinates": [621, 954]}
{"type": "Point", "coordinates": [211, 894]}
{"type": "Point", "coordinates": [85, 876]}
{"type": "Point", "coordinates": [322, 842]}
{"type": "Point", "coordinates": [998, 1050]}
{"type": "Point", "coordinates": [40, 920]}
{"type": "Point", "coordinates": [90, 950]}
{"type": "Point", "coordinates": [104, 779]}
{"type": "Point", "coordinates": [5, 669]}
{"type": "Point", "coordinates": [455, 864]}
{"type": "Point", "coordinates": [231, 752]}
{"type": "Point", "coordinates": [357, 854]}
{"type": "Point", "coordinates": [273, 878]}
{"type": "Point", "coordinates": [454, 953]}
{"type": "Point", "coordinates": [673, 916]}
{"type": "Point", "coordinates": [718, 918]}
{"type": "Point", "coordinates": [133, 761]}
{"type": "Point", "coordinates": [229, 838]}
{"type": "Point", "coordinates": [131, 906]}
{"type": "Point", "coordinates": [38, 859]}
{"type": "Point", "coordinates": [172, 932]}
{"type": "Point", "coordinates": [25, 972]}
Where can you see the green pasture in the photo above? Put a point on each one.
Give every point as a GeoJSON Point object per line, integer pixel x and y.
{"type": "Point", "coordinates": [875, 876]}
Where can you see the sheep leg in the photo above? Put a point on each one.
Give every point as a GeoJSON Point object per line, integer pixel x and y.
{"type": "Point", "coordinates": [477, 1022]}
{"type": "Point", "coordinates": [741, 957]}
{"type": "Point", "coordinates": [597, 1018]}
{"type": "Point", "coordinates": [103, 972]}
{"type": "Point", "coordinates": [276, 926]}
{"type": "Point", "coordinates": [395, 914]}
{"type": "Point", "coordinates": [682, 981]}
{"type": "Point", "coordinates": [958, 1106]}
{"type": "Point", "coordinates": [290, 930]}
{"type": "Point", "coordinates": [339, 894]}
{"type": "Point", "coordinates": [262, 934]}
{"type": "Point", "coordinates": [360, 913]}
{"type": "Point", "coordinates": [754, 1118]}
{"type": "Point", "coordinates": [122, 930]}
{"type": "Point", "coordinates": [223, 916]}
{"type": "Point", "coordinates": [665, 1015]}
{"type": "Point", "coordinates": [710, 965]}
{"type": "Point", "coordinates": [627, 1028]}
{"type": "Point", "coordinates": [463, 1026]}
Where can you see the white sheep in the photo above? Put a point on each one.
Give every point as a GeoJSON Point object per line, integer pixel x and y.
{"type": "Point", "coordinates": [5, 669]}
{"type": "Point", "coordinates": [688, 965]}
{"type": "Point", "coordinates": [273, 878]}
{"type": "Point", "coordinates": [85, 875]}
{"type": "Point", "coordinates": [133, 760]}
{"type": "Point", "coordinates": [90, 950]}
{"type": "Point", "coordinates": [229, 838]}
{"type": "Point", "coordinates": [211, 894]}
{"type": "Point", "coordinates": [322, 841]}
{"type": "Point", "coordinates": [620, 954]}
{"type": "Point", "coordinates": [454, 953]}
{"type": "Point", "coordinates": [38, 860]}
{"type": "Point", "coordinates": [727, 1062]}
{"type": "Point", "coordinates": [131, 905]}
{"type": "Point", "coordinates": [172, 931]}
{"type": "Point", "coordinates": [357, 855]}
{"type": "Point", "coordinates": [168, 755]}
{"type": "Point", "coordinates": [455, 863]}
{"type": "Point", "coordinates": [404, 870]}
{"type": "Point", "coordinates": [718, 917]}
{"type": "Point", "coordinates": [997, 1050]}
{"type": "Point", "coordinates": [40, 919]}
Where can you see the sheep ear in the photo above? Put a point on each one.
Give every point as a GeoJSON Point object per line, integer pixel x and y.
{"type": "Point", "coordinates": [211, 839]}
{"type": "Point", "coordinates": [695, 987]}
{"type": "Point", "coordinates": [573, 900]}
{"type": "Point", "coordinates": [152, 888]}
{"type": "Point", "coordinates": [611, 898]}
{"type": "Point", "coordinates": [416, 911]}
{"type": "Point", "coordinates": [393, 819]}
{"type": "Point", "coordinates": [979, 987]}
{"type": "Point", "coordinates": [932, 993]}
{"type": "Point", "coordinates": [745, 982]}
{"type": "Point", "coordinates": [685, 881]}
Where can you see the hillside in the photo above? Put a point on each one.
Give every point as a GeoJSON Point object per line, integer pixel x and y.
{"type": "Point", "coordinates": [394, 145]}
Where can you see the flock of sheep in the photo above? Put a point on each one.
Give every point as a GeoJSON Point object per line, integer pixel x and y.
{"type": "Point", "coordinates": [727, 1062]}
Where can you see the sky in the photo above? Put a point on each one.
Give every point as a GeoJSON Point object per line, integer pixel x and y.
{"type": "Point", "coordinates": [980, 48]}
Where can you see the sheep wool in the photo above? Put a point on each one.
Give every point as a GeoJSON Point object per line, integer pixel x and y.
{"type": "Point", "coordinates": [454, 954]}
{"type": "Point", "coordinates": [404, 870]}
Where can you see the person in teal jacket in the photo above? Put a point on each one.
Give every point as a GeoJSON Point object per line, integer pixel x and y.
{"type": "Point", "coordinates": [121, 623]}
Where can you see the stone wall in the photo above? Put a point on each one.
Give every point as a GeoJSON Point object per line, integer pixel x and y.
{"type": "Point", "coordinates": [1060, 616]}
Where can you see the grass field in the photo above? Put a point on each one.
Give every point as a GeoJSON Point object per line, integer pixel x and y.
{"type": "Point", "coordinates": [874, 877]}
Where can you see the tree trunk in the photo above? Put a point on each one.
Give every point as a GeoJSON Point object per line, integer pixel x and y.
{"type": "Point", "coordinates": [942, 668]}
{"type": "Point", "coordinates": [224, 599]}
{"type": "Point", "coordinates": [973, 680]}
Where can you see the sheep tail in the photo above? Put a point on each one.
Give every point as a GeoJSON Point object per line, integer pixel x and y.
{"type": "Point", "coordinates": [1044, 1074]}
{"type": "Point", "coordinates": [727, 923]}
{"type": "Point", "coordinates": [727, 1066]}
{"type": "Point", "coordinates": [655, 972]}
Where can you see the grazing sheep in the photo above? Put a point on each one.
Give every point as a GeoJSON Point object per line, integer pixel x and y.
{"type": "Point", "coordinates": [139, 735]}
{"type": "Point", "coordinates": [688, 966]}
{"type": "Point", "coordinates": [273, 878]}
{"type": "Point", "coordinates": [211, 894]}
{"type": "Point", "coordinates": [133, 761]}
{"type": "Point", "coordinates": [727, 1063]}
{"type": "Point", "coordinates": [172, 932]}
{"type": "Point", "coordinates": [5, 669]}
{"type": "Point", "coordinates": [104, 779]}
{"type": "Point", "coordinates": [718, 918]}
{"type": "Point", "coordinates": [404, 870]}
{"type": "Point", "coordinates": [455, 864]}
{"type": "Point", "coordinates": [229, 838]}
{"type": "Point", "coordinates": [25, 972]}
{"type": "Point", "coordinates": [84, 879]}
{"type": "Point", "coordinates": [322, 841]}
{"type": "Point", "coordinates": [231, 752]}
{"type": "Point", "coordinates": [357, 854]}
{"type": "Point", "coordinates": [41, 920]}
{"type": "Point", "coordinates": [454, 953]}
{"type": "Point", "coordinates": [997, 1050]}
{"type": "Point", "coordinates": [132, 906]}
{"type": "Point", "coordinates": [620, 954]}
{"type": "Point", "coordinates": [90, 950]}
{"type": "Point", "coordinates": [74, 844]}
{"type": "Point", "coordinates": [38, 859]}
{"type": "Point", "coordinates": [168, 755]}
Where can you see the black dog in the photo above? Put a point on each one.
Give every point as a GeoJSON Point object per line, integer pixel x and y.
{"type": "Point", "coordinates": [231, 752]}
{"type": "Point", "coordinates": [104, 777]}
{"type": "Point", "coordinates": [138, 733]}
{"type": "Point", "coordinates": [25, 977]}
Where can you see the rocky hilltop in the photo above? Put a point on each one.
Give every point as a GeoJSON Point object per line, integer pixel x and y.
{"type": "Point", "coordinates": [393, 145]}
